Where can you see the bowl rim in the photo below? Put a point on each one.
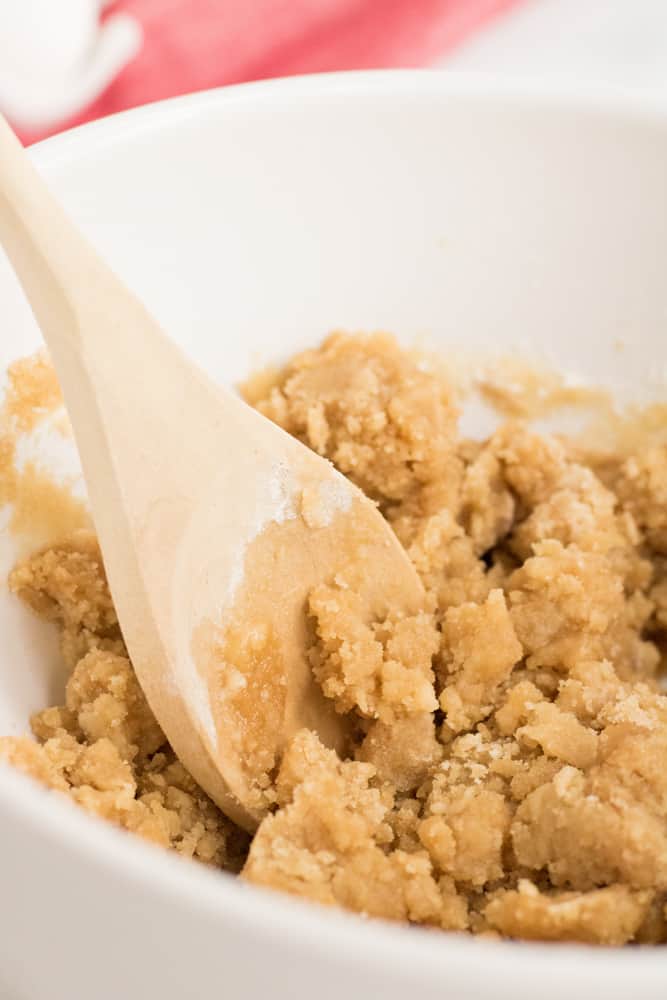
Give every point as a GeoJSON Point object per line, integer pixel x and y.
{"type": "Point", "coordinates": [520, 91]}
{"type": "Point", "coordinates": [169, 879]}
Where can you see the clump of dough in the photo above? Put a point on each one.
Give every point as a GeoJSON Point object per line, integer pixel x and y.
{"type": "Point", "coordinates": [104, 748]}
{"type": "Point", "coordinates": [612, 915]}
{"type": "Point", "coordinates": [329, 840]}
{"type": "Point", "coordinates": [66, 584]}
{"type": "Point", "coordinates": [381, 669]}
{"type": "Point", "coordinates": [383, 421]}
{"type": "Point", "coordinates": [505, 773]}
{"type": "Point", "coordinates": [480, 649]}
{"type": "Point", "coordinates": [642, 490]}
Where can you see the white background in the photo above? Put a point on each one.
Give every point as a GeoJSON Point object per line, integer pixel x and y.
{"type": "Point", "coordinates": [617, 42]}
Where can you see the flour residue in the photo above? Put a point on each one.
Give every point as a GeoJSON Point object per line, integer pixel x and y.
{"type": "Point", "coordinates": [322, 501]}
{"type": "Point", "coordinates": [275, 503]}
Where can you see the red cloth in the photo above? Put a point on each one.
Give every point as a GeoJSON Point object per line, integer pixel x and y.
{"type": "Point", "coordinates": [195, 44]}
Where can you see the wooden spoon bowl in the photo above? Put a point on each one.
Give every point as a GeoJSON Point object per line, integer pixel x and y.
{"type": "Point", "coordinates": [214, 523]}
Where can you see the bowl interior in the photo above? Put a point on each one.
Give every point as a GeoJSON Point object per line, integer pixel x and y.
{"type": "Point", "coordinates": [253, 222]}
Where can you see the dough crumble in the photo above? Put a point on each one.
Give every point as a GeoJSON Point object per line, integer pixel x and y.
{"type": "Point", "coordinates": [506, 774]}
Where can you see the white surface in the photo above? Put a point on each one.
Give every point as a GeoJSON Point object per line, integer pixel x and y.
{"type": "Point", "coordinates": [619, 42]}
{"type": "Point", "coordinates": [252, 221]}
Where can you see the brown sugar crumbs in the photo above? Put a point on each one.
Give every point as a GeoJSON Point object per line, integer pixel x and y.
{"type": "Point", "coordinates": [508, 771]}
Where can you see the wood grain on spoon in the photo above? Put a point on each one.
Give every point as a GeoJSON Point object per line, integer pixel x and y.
{"type": "Point", "coordinates": [214, 523]}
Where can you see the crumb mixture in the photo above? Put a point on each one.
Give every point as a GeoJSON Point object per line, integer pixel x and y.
{"type": "Point", "coordinates": [508, 771]}
{"type": "Point", "coordinates": [41, 508]}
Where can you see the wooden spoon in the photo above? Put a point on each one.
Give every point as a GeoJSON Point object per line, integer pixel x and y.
{"type": "Point", "coordinates": [214, 523]}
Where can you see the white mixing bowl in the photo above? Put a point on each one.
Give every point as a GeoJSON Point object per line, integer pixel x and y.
{"type": "Point", "coordinates": [252, 221]}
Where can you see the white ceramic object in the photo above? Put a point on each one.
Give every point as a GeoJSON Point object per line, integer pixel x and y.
{"type": "Point", "coordinates": [57, 57]}
{"type": "Point", "coordinates": [252, 221]}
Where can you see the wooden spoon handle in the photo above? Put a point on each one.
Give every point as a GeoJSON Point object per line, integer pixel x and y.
{"type": "Point", "coordinates": [60, 273]}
